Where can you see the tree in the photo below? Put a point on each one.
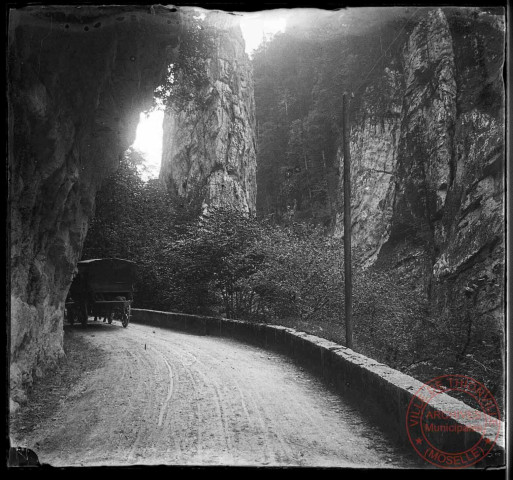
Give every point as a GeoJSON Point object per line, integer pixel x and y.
{"type": "Point", "coordinates": [188, 75]}
{"type": "Point", "coordinates": [113, 231]}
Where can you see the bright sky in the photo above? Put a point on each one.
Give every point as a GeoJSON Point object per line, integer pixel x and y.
{"type": "Point", "coordinates": [255, 26]}
{"type": "Point", "coordinates": [148, 140]}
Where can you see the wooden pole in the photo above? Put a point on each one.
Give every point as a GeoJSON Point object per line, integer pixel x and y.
{"type": "Point", "coordinates": [348, 279]}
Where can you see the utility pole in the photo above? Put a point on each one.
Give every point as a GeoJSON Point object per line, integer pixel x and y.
{"type": "Point", "coordinates": [348, 279]}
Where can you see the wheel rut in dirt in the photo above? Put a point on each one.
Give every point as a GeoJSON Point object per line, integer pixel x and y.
{"type": "Point", "coordinates": [163, 397]}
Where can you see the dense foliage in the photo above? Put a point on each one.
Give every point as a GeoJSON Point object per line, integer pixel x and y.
{"type": "Point", "coordinates": [188, 75]}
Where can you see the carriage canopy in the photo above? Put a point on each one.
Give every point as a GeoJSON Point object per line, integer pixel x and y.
{"type": "Point", "coordinates": [110, 275]}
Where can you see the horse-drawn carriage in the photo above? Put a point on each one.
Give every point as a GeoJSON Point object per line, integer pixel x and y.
{"type": "Point", "coordinates": [102, 288]}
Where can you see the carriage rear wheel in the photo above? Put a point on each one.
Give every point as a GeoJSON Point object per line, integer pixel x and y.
{"type": "Point", "coordinates": [122, 311]}
{"type": "Point", "coordinates": [125, 316]}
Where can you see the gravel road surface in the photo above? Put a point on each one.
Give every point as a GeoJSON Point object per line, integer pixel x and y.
{"type": "Point", "coordinates": [163, 397]}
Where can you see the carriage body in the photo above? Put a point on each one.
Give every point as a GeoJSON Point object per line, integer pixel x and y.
{"type": "Point", "coordinates": [103, 288]}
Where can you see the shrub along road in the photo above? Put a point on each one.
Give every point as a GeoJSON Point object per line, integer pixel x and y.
{"type": "Point", "coordinates": [154, 396]}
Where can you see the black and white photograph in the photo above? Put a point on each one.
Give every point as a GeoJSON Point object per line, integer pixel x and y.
{"type": "Point", "coordinates": [266, 238]}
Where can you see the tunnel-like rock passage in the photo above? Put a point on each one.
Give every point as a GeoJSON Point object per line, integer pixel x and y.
{"type": "Point", "coordinates": [78, 78]}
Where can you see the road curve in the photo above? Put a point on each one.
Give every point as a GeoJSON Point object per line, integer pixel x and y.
{"type": "Point", "coordinates": [163, 397]}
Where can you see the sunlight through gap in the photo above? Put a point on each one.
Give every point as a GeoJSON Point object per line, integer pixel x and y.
{"type": "Point", "coordinates": [148, 142]}
{"type": "Point", "coordinates": [258, 26]}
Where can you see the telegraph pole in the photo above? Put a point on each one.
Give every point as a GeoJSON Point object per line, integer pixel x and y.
{"type": "Point", "coordinates": [348, 279]}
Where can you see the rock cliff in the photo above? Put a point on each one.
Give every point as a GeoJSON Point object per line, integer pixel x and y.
{"type": "Point", "coordinates": [209, 143]}
{"type": "Point", "coordinates": [78, 77]}
{"type": "Point", "coordinates": [428, 162]}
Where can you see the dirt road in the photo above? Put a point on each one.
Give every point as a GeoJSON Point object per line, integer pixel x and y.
{"type": "Point", "coordinates": [162, 397]}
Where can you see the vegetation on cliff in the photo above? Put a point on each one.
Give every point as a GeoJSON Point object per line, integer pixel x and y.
{"type": "Point", "coordinates": [300, 77]}
{"type": "Point", "coordinates": [188, 73]}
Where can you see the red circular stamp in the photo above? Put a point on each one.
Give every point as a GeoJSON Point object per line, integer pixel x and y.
{"type": "Point", "coordinates": [453, 432]}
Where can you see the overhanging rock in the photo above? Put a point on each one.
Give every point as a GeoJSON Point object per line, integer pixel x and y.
{"type": "Point", "coordinates": [78, 77]}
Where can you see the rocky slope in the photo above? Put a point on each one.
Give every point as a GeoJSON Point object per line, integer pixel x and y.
{"type": "Point", "coordinates": [209, 150]}
{"type": "Point", "coordinates": [78, 77]}
{"type": "Point", "coordinates": [428, 160]}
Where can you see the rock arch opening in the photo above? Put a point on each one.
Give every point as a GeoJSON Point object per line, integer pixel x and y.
{"type": "Point", "coordinates": [78, 80]}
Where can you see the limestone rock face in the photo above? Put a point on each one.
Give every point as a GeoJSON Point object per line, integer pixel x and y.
{"type": "Point", "coordinates": [78, 77]}
{"type": "Point", "coordinates": [209, 150]}
{"type": "Point", "coordinates": [427, 165]}
{"type": "Point", "coordinates": [374, 144]}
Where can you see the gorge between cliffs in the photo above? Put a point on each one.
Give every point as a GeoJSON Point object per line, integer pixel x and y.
{"type": "Point", "coordinates": [246, 218]}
